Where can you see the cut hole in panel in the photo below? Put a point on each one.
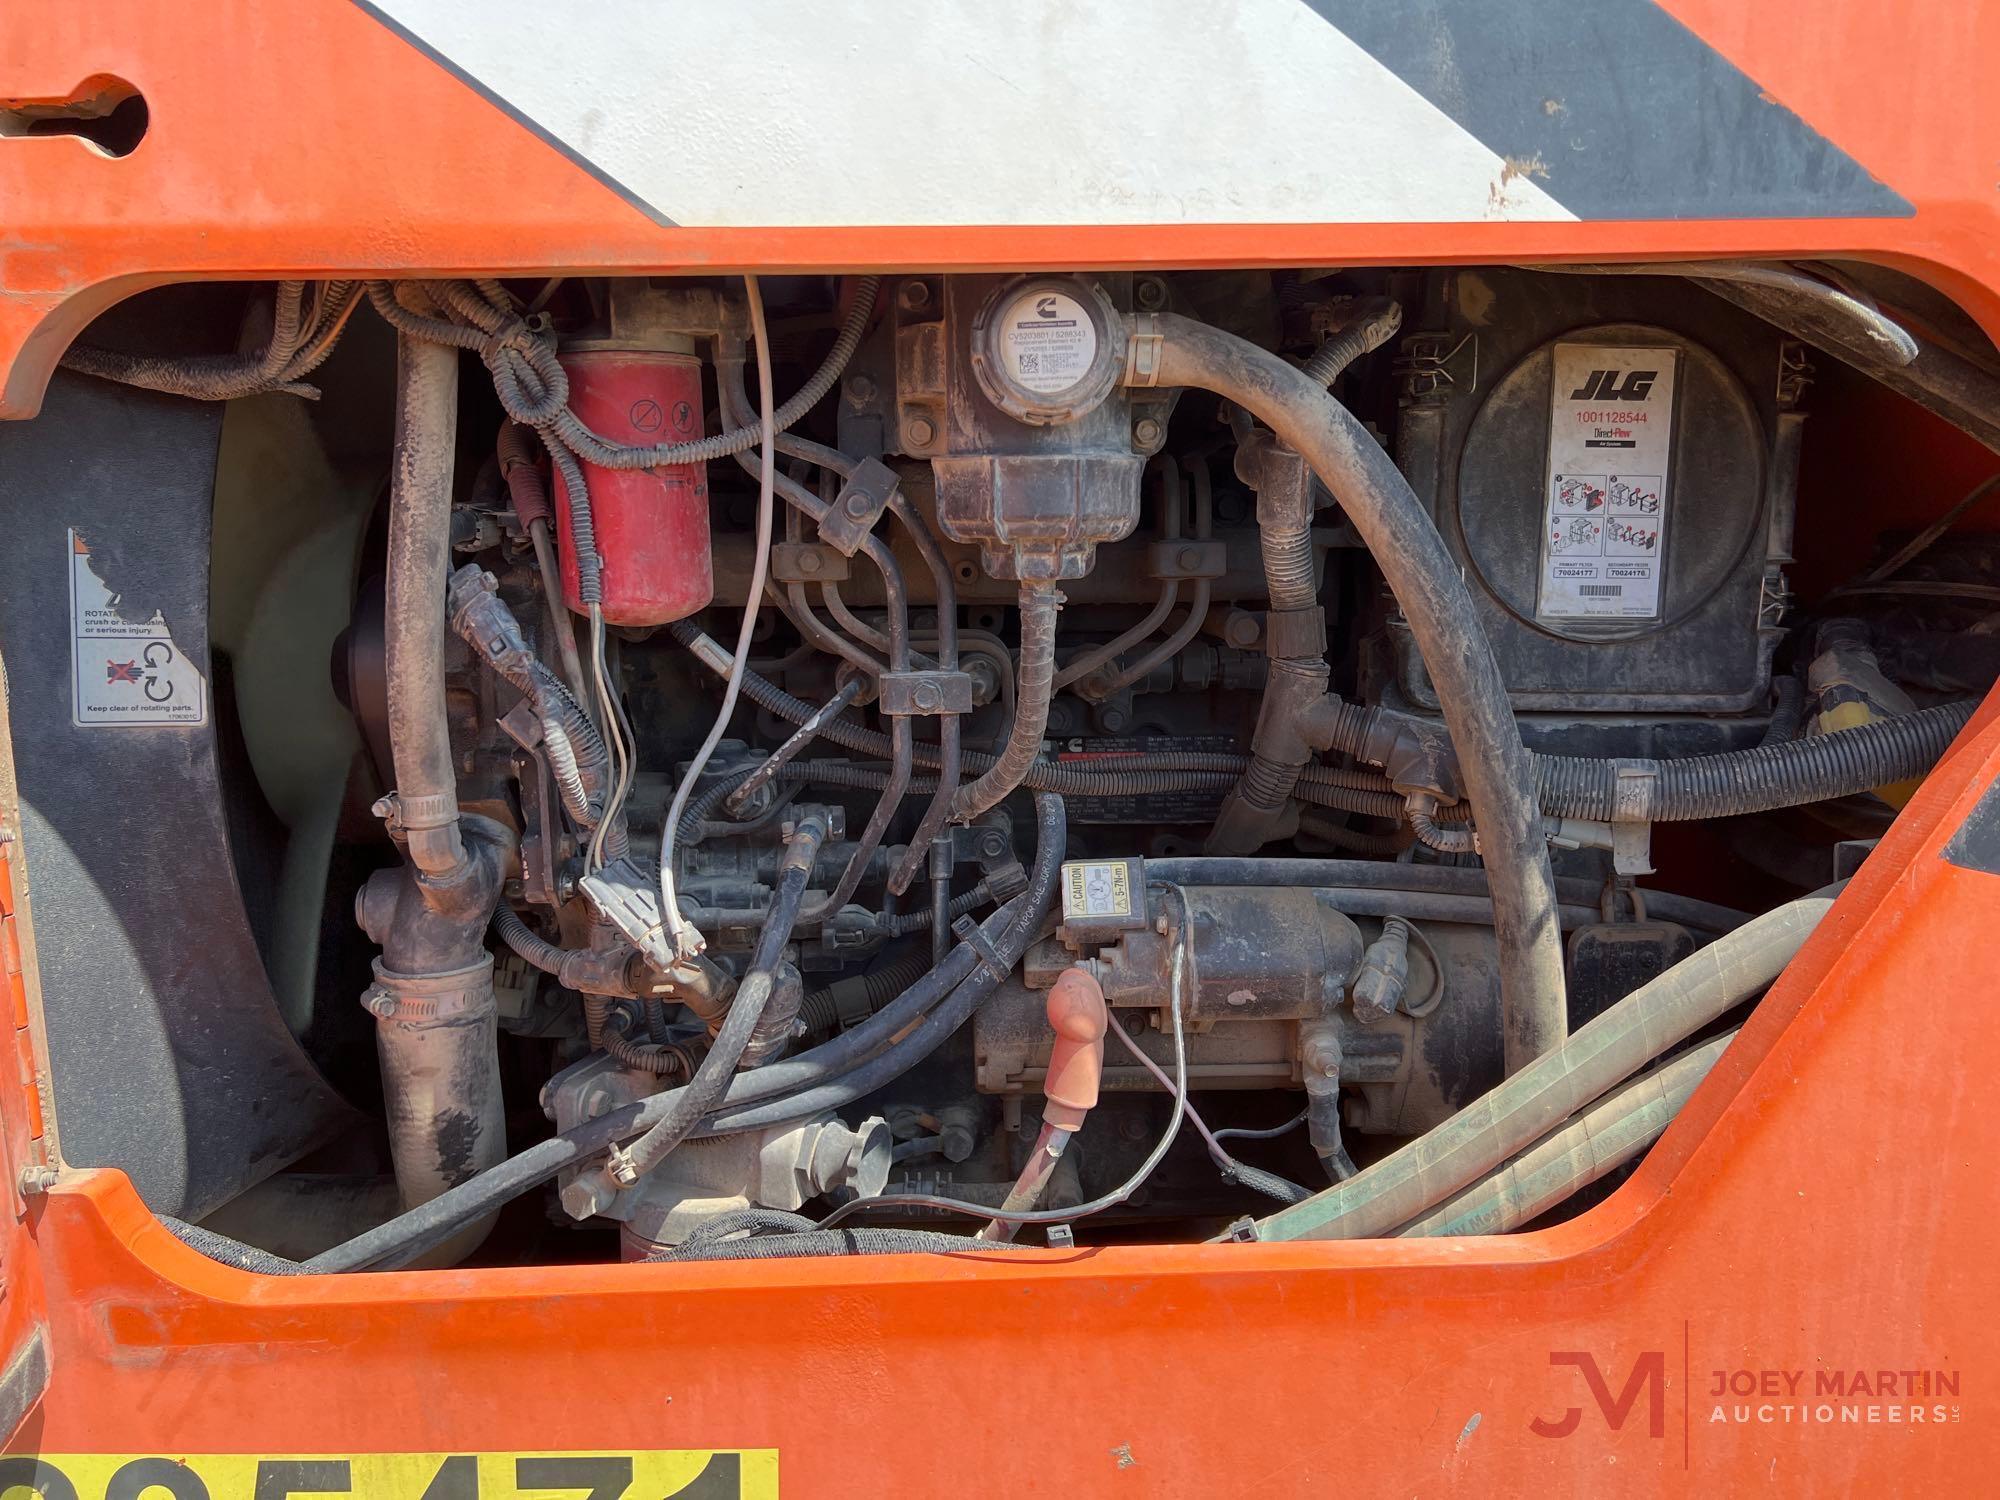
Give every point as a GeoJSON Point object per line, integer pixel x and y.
{"type": "Point", "coordinates": [105, 111]}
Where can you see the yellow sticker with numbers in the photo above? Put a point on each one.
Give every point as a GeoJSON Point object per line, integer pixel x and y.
{"type": "Point", "coordinates": [663, 1474]}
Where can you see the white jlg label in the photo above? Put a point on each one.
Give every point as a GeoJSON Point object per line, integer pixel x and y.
{"type": "Point", "coordinates": [1604, 526]}
{"type": "Point", "coordinates": [1047, 341]}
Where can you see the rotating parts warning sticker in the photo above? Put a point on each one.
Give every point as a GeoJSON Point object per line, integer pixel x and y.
{"type": "Point", "coordinates": [1604, 524]}
{"type": "Point", "coordinates": [666, 1474]}
{"type": "Point", "coordinates": [124, 674]}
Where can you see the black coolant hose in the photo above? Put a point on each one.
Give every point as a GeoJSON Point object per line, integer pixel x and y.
{"type": "Point", "coordinates": [405, 1237]}
{"type": "Point", "coordinates": [1498, 773]}
{"type": "Point", "coordinates": [1748, 781]}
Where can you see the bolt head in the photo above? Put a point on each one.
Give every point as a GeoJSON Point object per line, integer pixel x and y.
{"type": "Point", "coordinates": [915, 294]}
{"type": "Point", "coordinates": [1151, 293]}
{"type": "Point", "coordinates": [580, 1198]}
{"type": "Point", "coordinates": [1189, 558]}
{"type": "Point", "coordinates": [1147, 432]}
{"type": "Point", "coordinates": [919, 431]}
{"type": "Point", "coordinates": [860, 389]}
{"type": "Point", "coordinates": [856, 506]}
{"type": "Point", "coordinates": [924, 695]}
{"type": "Point", "coordinates": [810, 562]}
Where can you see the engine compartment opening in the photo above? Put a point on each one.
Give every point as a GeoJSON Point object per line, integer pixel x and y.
{"type": "Point", "coordinates": [798, 765]}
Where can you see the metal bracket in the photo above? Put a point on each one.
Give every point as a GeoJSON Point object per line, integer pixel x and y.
{"type": "Point", "coordinates": [1631, 829]}
{"type": "Point", "coordinates": [858, 506]}
{"type": "Point", "coordinates": [1187, 559]}
{"type": "Point", "coordinates": [807, 562]}
{"type": "Point", "coordinates": [905, 693]}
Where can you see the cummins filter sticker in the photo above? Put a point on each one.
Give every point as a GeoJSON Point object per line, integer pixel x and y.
{"type": "Point", "coordinates": [1604, 525]}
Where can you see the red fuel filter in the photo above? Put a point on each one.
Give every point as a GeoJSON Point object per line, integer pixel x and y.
{"type": "Point", "coordinates": [652, 524]}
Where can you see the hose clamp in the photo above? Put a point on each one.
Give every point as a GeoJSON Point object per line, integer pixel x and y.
{"type": "Point", "coordinates": [1144, 350]}
{"type": "Point", "coordinates": [1633, 788]}
{"type": "Point", "coordinates": [457, 995]}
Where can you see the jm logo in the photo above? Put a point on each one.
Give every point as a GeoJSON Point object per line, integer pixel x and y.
{"type": "Point", "coordinates": [1648, 1378]}
{"type": "Point", "coordinates": [1604, 385]}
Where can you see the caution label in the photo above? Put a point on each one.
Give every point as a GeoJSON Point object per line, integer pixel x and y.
{"type": "Point", "coordinates": [124, 675]}
{"type": "Point", "coordinates": [1604, 527]}
{"type": "Point", "coordinates": [1097, 888]}
{"type": "Point", "coordinates": [663, 1474]}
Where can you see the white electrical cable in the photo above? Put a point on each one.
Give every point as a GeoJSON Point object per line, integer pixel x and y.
{"type": "Point", "coordinates": [686, 940]}
{"type": "Point", "coordinates": [617, 734]}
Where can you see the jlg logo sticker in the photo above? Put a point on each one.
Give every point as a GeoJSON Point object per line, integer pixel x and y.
{"type": "Point", "coordinates": [675, 1474]}
{"type": "Point", "coordinates": [1609, 385]}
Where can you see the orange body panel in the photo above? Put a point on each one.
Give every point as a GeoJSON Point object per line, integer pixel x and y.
{"type": "Point", "coordinates": [1826, 1204]}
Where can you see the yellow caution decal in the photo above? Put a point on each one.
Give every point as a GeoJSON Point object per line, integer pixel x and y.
{"type": "Point", "coordinates": [662, 1474]}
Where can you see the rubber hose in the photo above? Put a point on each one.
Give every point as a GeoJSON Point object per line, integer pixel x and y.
{"type": "Point", "coordinates": [414, 628]}
{"type": "Point", "coordinates": [526, 943]}
{"type": "Point", "coordinates": [220, 1247]}
{"type": "Point", "coordinates": [1748, 781]}
{"type": "Point", "coordinates": [1607, 1050]}
{"type": "Point", "coordinates": [1034, 685]}
{"type": "Point", "coordinates": [1575, 1154]}
{"type": "Point", "coordinates": [1426, 582]}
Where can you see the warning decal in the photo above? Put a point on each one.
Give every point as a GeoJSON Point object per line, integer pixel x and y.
{"type": "Point", "coordinates": [124, 675]}
{"type": "Point", "coordinates": [1611, 422]}
{"type": "Point", "coordinates": [667, 1474]}
{"type": "Point", "coordinates": [1097, 888]}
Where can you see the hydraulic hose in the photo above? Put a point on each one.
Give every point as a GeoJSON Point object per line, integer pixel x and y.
{"type": "Point", "coordinates": [419, 558]}
{"type": "Point", "coordinates": [745, 1011]}
{"type": "Point", "coordinates": [1694, 992]}
{"type": "Point", "coordinates": [1034, 685]}
{"type": "Point", "coordinates": [1497, 770]}
{"type": "Point", "coordinates": [410, 1234]}
{"type": "Point", "coordinates": [1577, 1153]}
{"type": "Point", "coordinates": [1748, 781]}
